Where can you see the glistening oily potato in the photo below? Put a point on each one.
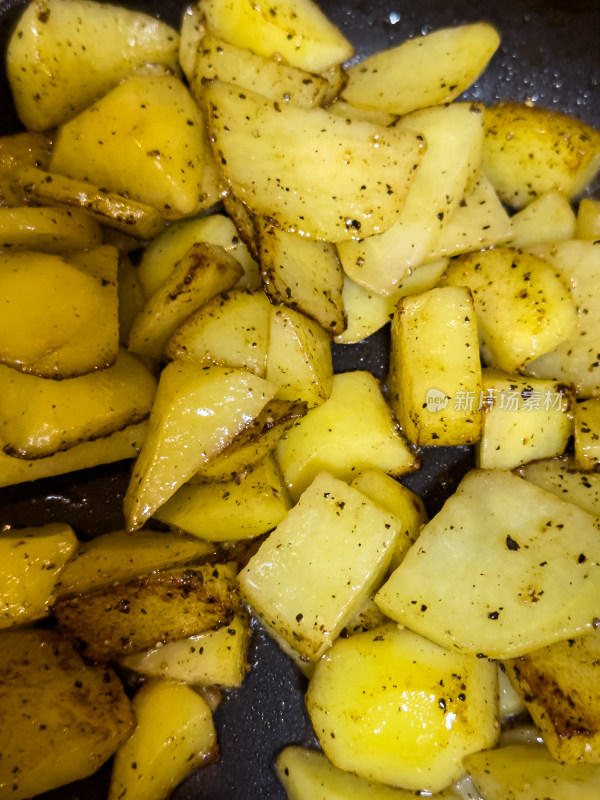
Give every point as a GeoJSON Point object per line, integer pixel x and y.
{"type": "Point", "coordinates": [351, 196]}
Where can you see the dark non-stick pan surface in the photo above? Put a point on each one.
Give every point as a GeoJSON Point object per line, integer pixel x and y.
{"type": "Point", "coordinates": [550, 56]}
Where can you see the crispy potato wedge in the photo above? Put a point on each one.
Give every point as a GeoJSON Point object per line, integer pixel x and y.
{"type": "Point", "coordinates": [163, 252]}
{"type": "Point", "coordinates": [203, 272]}
{"type": "Point", "coordinates": [30, 562]}
{"type": "Point", "coordinates": [351, 431]}
{"type": "Point", "coordinates": [120, 557]}
{"type": "Point", "coordinates": [296, 31]}
{"type": "Point", "coordinates": [40, 417]}
{"type": "Point", "coordinates": [309, 171]}
{"type": "Point", "coordinates": [515, 292]}
{"type": "Point", "coordinates": [47, 230]}
{"type": "Point", "coordinates": [387, 696]}
{"type": "Point", "coordinates": [249, 505]}
{"type": "Point", "coordinates": [308, 600]}
{"type": "Point", "coordinates": [254, 442]}
{"type": "Point", "coordinates": [196, 413]}
{"type": "Point", "coordinates": [117, 446]}
{"type": "Point", "coordinates": [269, 77]}
{"type": "Point", "coordinates": [107, 208]}
{"type": "Point", "coordinates": [60, 315]}
{"type": "Point", "coordinates": [61, 719]}
{"type": "Point", "coordinates": [304, 275]}
{"type": "Point", "coordinates": [214, 658]}
{"type": "Point", "coordinates": [434, 374]}
{"type": "Point", "coordinates": [92, 46]}
{"type": "Point", "coordinates": [130, 617]}
{"type": "Point", "coordinates": [138, 141]}
{"type": "Point", "coordinates": [174, 736]}
{"type": "Point", "coordinates": [504, 588]}
{"type": "Point", "coordinates": [559, 686]}
{"type": "Point", "coordinates": [425, 71]}
{"type": "Point", "coordinates": [231, 329]}
{"type": "Point", "coordinates": [529, 150]}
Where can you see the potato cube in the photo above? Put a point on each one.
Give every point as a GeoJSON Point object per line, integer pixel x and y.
{"type": "Point", "coordinates": [434, 382]}
{"type": "Point", "coordinates": [588, 219]}
{"type": "Point", "coordinates": [523, 419]}
{"type": "Point", "coordinates": [320, 564]}
{"type": "Point", "coordinates": [548, 218]}
{"type": "Point", "coordinates": [561, 477]}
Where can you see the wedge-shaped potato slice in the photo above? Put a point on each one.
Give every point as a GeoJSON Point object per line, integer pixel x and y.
{"type": "Point", "coordinates": [478, 221]}
{"type": "Point", "coordinates": [47, 230]}
{"type": "Point", "coordinates": [196, 413]}
{"type": "Point", "coordinates": [530, 150]}
{"type": "Point", "coordinates": [367, 311]}
{"type": "Point", "coordinates": [308, 775]}
{"type": "Point", "coordinates": [559, 685]}
{"type": "Point", "coordinates": [203, 272]}
{"type": "Point", "coordinates": [163, 607]}
{"type": "Point", "coordinates": [249, 505]}
{"type": "Point", "coordinates": [523, 771]}
{"type": "Point", "coordinates": [402, 710]}
{"type": "Point", "coordinates": [299, 357]}
{"type": "Point", "coordinates": [257, 440]}
{"type": "Point", "coordinates": [576, 359]}
{"type": "Point", "coordinates": [347, 111]}
{"type": "Point", "coordinates": [214, 658]}
{"type": "Point", "coordinates": [120, 557]}
{"type": "Point", "coordinates": [138, 141]}
{"type": "Point", "coordinates": [163, 252]}
{"type": "Point", "coordinates": [548, 218]}
{"type": "Point", "coordinates": [39, 417]}
{"type": "Point", "coordinates": [245, 222]}
{"type": "Point", "coordinates": [311, 172]}
{"type": "Point", "coordinates": [435, 368]}
{"type": "Point", "coordinates": [454, 136]}
{"type": "Point", "coordinates": [561, 477]}
{"type": "Point", "coordinates": [115, 211]}
{"type": "Point", "coordinates": [523, 419]}
{"type": "Point", "coordinates": [304, 275]}
{"type": "Point", "coordinates": [30, 561]}
{"type": "Point", "coordinates": [517, 292]}
{"type": "Point", "coordinates": [60, 320]}
{"type": "Point", "coordinates": [174, 736]}
{"type": "Point", "coordinates": [399, 501]}
{"type": "Point", "coordinates": [131, 296]}
{"type": "Point", "coordinates": [510, 702]}
{"type": "Point", "coordinates": [308, 600]}
{"type": "Point", "coordinates": [297, 31]}
{"type": "Point", "coordinates": [61, 719]}
{"type": "Point", "coordinates": [588, 219]}
{"type": "Point", "coordinates": [116, 446]}
{"type": "Point", "coordinates": [351, 431]}
{"type": "Point", "coordinates": [92, 46]}
{"type": "Point", "coordinates": [18, 150]}
{"type": "Point", "coordinates": [219, 60]}
{"type": "Point", "coordinates": [424, 71]}
{"type": "Point", "coordinates": [587, 435]}
{"type": "Point", "coordinates": [231, 329]}
{"type": "Point", "coordinates": [505, 587]}
{"type": "Point", "coordinates": [190, 34]}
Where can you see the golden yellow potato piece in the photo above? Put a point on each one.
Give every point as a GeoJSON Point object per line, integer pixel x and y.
{"type": "Point", "coordinates": [393, 707]}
